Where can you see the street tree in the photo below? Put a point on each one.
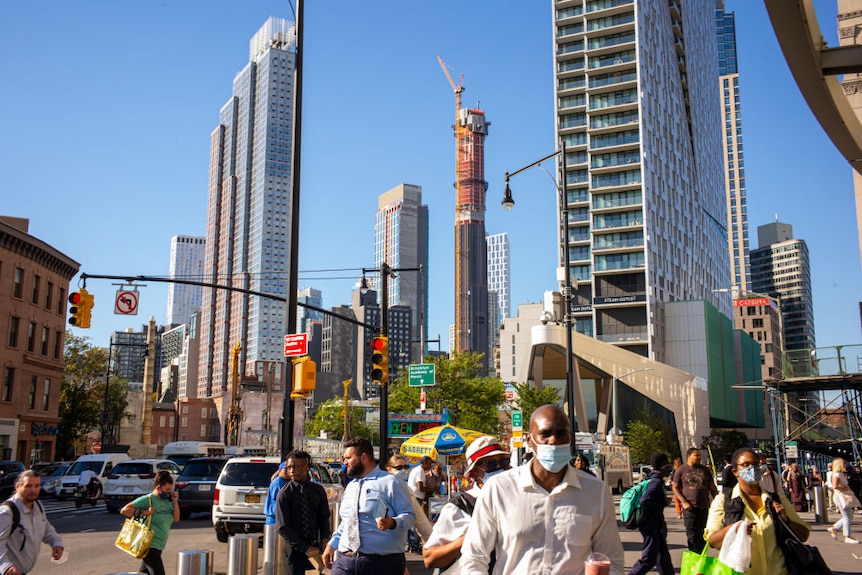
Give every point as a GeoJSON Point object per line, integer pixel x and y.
{"type": "Point", "coordinates": [646, 434]}
{"type": "Point", "coordinates": [329, 418]}
{"type": "Point", "coordinates": [724, 443]}
{"type": "Point", "coordinates": [530, 398]}
{"type": "Point", "coordinates": [474, 398]}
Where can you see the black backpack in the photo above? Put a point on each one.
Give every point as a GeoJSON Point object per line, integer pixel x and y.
{"type": "Point", "coordinates": [16, 519]}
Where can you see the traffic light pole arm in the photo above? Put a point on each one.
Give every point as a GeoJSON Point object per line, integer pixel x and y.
{"type": "Point", "coordinates": [131, 279]}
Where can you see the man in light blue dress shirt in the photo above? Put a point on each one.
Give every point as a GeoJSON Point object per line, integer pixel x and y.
{"type": "Point", "coordinates": [376, 512]}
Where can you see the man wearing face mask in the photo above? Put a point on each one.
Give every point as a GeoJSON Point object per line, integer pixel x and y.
{"type": "Point", "coordinates": [485, 459]}
{"type": "Point", "coordinates": [546, 516]}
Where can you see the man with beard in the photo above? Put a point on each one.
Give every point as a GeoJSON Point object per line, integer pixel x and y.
{"type": "Point", "coordinates": [544, 517]}
{"type": "Point", "coordinates": [19, 548]}
{"type": "Point", "coordinates": [376, 512]}
{"type": "Point", "coordinates": [302, 513]}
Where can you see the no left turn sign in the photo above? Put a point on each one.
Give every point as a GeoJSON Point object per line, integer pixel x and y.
{"type": "Point", "coordinates": [126, 303]}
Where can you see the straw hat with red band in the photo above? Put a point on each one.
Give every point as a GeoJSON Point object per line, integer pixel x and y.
{"type": "Point", "coordinates": [481, 448]}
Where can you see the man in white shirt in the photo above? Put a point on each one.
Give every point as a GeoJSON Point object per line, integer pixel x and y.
{"type": "Point", "coordinates": [86, 476]}
{"type": "Point", "coordinates": [543, 517]}
{"type": "Point", "coordinates": [416, 480]}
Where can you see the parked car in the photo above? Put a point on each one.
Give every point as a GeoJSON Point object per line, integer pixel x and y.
{"type": "Point", "coordinates": [196, 484]}
{"type": "Point", "coordinates": [639, 473]}
{"type": "Point", "coordinates": [51, 482]}
{"type": "Point", "coordinates": [46, 467]}
{"type": "Point", "coordinates": [239, 496]}
{"type": "Point", "coordinates": [132, 478]}
{"type": "Point", "coordinates": [9, 472]}
{"type": "Point", "coordinates": [100, 463]}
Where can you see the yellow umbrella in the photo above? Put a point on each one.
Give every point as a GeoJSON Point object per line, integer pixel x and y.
{"type": "Point", "coordinates": [443, 440]}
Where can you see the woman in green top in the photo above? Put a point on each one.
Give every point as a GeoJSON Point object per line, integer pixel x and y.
{"type": "Point", "coordinates": [162, 505]}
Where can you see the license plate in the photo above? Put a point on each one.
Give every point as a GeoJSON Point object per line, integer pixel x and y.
{"type": "Point", "coordinates": [252, 498]}
{"type": "Point", "coordinates": [127, 489]}
{"type": "Point", "coordinates": [204, 487]}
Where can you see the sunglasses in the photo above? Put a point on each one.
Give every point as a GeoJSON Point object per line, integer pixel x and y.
{"type": "Point", "coordinates": [398, 467]}
{"type": "Point", "coordinates": [491, 465]}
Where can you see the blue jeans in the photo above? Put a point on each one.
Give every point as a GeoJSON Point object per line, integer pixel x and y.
{"type": "Point", "coordinates": [845, 521]}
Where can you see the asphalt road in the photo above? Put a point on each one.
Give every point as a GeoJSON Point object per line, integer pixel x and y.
{"type": "Point", "coordinates": [89, 535]}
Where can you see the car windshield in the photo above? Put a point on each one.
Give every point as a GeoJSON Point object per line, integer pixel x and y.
{"type": "Point", "coordinates": [80, 466]}
{"type": "Point", "coordinates": [60, 470]}
{"type": "Point", "coordinates": [132, 469]}
{"type": "Point", "coordinates": [10, 468]}
{"type": "Point", "coordinates": [258, 473]}
{"type": "Point", "coordinates": [203, 470]}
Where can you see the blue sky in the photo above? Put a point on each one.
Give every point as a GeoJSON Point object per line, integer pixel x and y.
{"type": "Point", "coordinates": [108, 108]}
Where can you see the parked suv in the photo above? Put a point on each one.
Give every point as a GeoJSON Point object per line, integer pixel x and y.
{"type": "Point", "coordinates": [196, 484]}
{"type": "Point", "coordinates": [132, 478]}
{"type": "Point", "coordinates": [239, 496]}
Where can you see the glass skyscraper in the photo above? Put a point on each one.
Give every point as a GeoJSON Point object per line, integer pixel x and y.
{"type": "Point", "coordinates": [249, 212]}
{"type": "Point", "coordinates": [640, 116]}
{"type": "Point", "coordinates": [187, 262]}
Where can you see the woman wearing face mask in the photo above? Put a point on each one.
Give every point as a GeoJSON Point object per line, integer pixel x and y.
{"type": "Point", "coordinates": [397, 466]}
{"type": "Point", "coordinates": [162, 505]}
{"type": "Point", "coordinates": [748, 502]}
{"type": "Point", "coordinates": [485, 459]}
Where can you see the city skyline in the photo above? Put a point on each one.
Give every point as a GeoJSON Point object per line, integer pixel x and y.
{"type": "Point", "coordinates": [780, 173]}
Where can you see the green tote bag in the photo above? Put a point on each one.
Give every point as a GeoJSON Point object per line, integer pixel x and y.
{"type": "Point", "coordinates": [703, 564]}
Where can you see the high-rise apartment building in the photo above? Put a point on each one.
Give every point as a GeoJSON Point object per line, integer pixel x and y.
{"type": "Point", "coordinates": [187, 262]}
{"type": "Point", "coordinates": [401, 241]}
{"type": "Point", "coordinates": [640, 117]}
{"type": "Point", "coordinates": [780, 268]}
{"type": "Point", "coordinates": [249, 213]}
{"type": "Point", "coordinates": [734, 159]}
{"type": "Point", "coordinates": [308, 296]}
{"type": "Point", "coordinates": [499, 278]}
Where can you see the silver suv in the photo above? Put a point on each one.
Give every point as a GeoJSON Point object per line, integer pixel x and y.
{"type": "Point", "coordinates": [240, 494]}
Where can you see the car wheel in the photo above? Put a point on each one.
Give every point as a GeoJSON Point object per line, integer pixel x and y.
{"type": "Point", "coordinates": [221, 536]}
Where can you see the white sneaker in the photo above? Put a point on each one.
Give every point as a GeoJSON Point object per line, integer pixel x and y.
{"type": "Point", "coordinates": [851, 540]}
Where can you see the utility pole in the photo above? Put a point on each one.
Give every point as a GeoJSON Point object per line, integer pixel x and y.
{"type": "Point", "coordinates": [149, 380]}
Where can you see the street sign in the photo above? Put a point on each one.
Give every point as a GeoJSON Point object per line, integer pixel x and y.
{"type": "Point", "coordinates": [517, 439]}
{"type": "Point", "coordinates": [517, 420]}
{"type": "Point", "coordinates": [791, 450]}
{"type": "Point", "coordinates": [419, 374]}
{"type": "Point", "coordinates": [295, 344]}
{"type": "Point", "coordinates": [126, 302]}
{"type": "Point", "coordinates": [97, 447]}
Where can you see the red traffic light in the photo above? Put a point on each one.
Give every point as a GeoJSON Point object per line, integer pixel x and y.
{"type": "Point", "coordinates": [75, 298]}
{"type": "Point", "coordinates": [378, 343]}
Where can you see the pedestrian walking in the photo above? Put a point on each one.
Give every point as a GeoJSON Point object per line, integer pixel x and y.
{"type": "Point", "coordinates": [397, 466]}
{"type": "Point", "coordinates": [19, 548]}
{"type": "Point", "coordinates": [417, 481]}
{"type": "Point", "coordinates": [581, 462]}
{"type": "Point", "coordinates": [162, 505]}
{"type": "Point", "coordinates": [728, 479]}
{"type": "Point", "coordinates": [375, 512]}
{"type": "Point", "coordinates": [844, 499]}
{"type": "Point", "coordinates": [544, 517]}
{"type": "Point", "coordinates": [677, 461]}
{"type": "Point", "coordinates": [302, 514]}
{"type": "Point", "coordinates": [694, 485]}
{"type": "Point", "coordinates": [653, 528]}
{"type": "Point", "coordinates": [485, 459]}
{"type": "Point", "coordinates": [279, 480]}
{"type": "Point", "coordinates": [795, 482]}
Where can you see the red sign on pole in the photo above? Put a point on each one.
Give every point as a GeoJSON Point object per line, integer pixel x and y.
{"type": "Point", "coordinates": [295, 344]}
{"type": "Point", "coordinates": [97, 447]}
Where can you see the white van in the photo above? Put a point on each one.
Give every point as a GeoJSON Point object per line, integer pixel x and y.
{"type": "Point", "coordinates": [101, 463]}
{"type": "Point", "coordinates": [181, 451]}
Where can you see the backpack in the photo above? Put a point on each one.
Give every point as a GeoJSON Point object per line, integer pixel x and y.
{"type": "Point", "coordinates": [631, 512]}
{"type": "Point", "coordinates": [16, 519]}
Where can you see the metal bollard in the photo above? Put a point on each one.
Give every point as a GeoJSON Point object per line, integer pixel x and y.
{"type": "Point", "coordinates": [275, 552]}
{"type": "Point", "coordinates": [207, 561]}
{"type": "Point", "coordinates": [188, 563]}
{"type": "Point", "coordinates": [242, 555]}
{"type": "Point", "coordinates": [821, 505]}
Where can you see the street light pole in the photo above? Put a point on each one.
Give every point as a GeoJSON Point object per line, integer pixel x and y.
{"type": "Point", "coordinates": [508, 203]}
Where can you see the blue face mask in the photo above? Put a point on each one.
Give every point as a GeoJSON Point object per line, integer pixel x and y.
{"type": "Point", "coordinates": [750, 475]}
{"type": "Point", "coordinates": [166, 495]}
{"type": "Point", "coordinates": [553, 457]}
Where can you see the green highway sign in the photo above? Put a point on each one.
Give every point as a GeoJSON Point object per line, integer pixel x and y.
{"type": "Point", "coordinates": [421, 374]}
{"type": "Point", "coordinates": [517, 420]}
{"type": "Point", "coordinates": [791, 450]}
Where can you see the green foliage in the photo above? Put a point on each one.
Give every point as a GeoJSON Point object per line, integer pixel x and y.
{"type": "Point", "coordinates": [724, 443]}
{"type": "Point", "coordinates": [530, 398]}
{"type": "Point", "coordinates": [475, 399]}
{"type": "Point", "coordinates": [329, 418]}
{"type": "Point", "coordinates": [646, 435]}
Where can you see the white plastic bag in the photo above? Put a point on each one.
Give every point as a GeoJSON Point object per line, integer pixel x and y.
{"type": "Point", "coordinates": [736, 547]}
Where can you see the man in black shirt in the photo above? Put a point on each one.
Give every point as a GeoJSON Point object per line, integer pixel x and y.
{"type": "Point", "coordinates": [302, 513]}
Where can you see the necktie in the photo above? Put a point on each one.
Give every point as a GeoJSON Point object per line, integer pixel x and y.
{"type": "Point", "coordinates": [352, 519]}
{"type": "Point", "coordinates": [305, 515]}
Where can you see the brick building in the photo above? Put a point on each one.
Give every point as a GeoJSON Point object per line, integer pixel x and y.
{"type": "Point", "coordinates": [34, 286]}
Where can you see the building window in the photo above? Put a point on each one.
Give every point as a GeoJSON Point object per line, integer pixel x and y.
{"type": "Point", "coordinates": [49, 295]}
{"type": "Point", "coordinates": [45, 333]}
{"type": "Point", "coordinates": [172, 421]}
{"type": "Point", "coordinates": [757, 322]}
{"type": "Point", "coordinates": [31, 397]}
{"type": "Point", "coordinates": [31, 337]}
{"type": "Point", "coordinates": [185, 410]}
{"type": "Point", "coordinates": [46, 394]}
{"type": "Point", "coordinates": [162, 420]}
{"type": "Point", "coordinates": [8, 380]}
{"type": "Point", "coordinates": [203, 413]}
{"type": "Point", "coordinates": [184, 422]}
{"type": "Point", "coordinates": [14, 325]}
{"type": "Point", "coordinates": [61, 300]}
{"type": "Point", "coordinates": [58, 343]}
{"type": "Point", "coordinates": [36, 283]}
{"type": "Point", "coordinates": [18, 285]}
{"type": "Point", "coordinates": [203, 429]}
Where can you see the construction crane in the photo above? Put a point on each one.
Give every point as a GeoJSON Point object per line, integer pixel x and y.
{"type": "Point", "coordinates": [234, 413]}
{"type": "Point", "coordinates": [345, 412]}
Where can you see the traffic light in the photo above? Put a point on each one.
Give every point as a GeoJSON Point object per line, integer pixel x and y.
{"type": "Point", "coordinates": [82, 308]}
{"type": "Point", "coordinates": [304, 377]}
{"type": "Point", "coordinates": [380, 359]}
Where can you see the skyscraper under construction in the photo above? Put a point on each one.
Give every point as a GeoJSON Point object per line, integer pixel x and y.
{"type": "Point", "coordinates": [471, 268]}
